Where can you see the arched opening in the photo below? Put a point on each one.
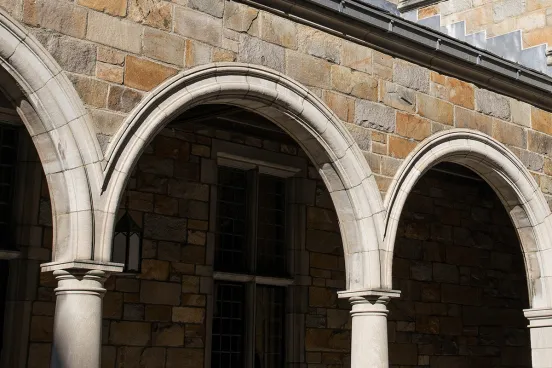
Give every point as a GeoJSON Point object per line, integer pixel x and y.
{"type": "Point", "coordinates": [459, 265]}
{"type": "Point", "coordinates": [242, 254]}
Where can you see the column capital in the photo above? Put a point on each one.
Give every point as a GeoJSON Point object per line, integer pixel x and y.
{"type": "Point", "coordinates": [79, 281]}
{"type": "Point", "coordinates": [87, 265]}
{"type": "Point", "coordinates": [539, 317]}
{"type": "Point", "coordinates": [369, 302]}
{"type": "Point", "coordinates": [369, 293]}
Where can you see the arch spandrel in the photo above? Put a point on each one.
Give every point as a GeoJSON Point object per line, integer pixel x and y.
{"type": "Point", "coordinates": [294, 109]}
{"type": "Point", "coordinates": [506, 174]}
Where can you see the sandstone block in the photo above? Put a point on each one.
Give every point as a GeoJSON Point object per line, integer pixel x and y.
{"type": "Point", "coordinates": [113, 305]}
{"type": "Point", "coordinates": [397, 96]}
{"type": "Point", "coordinates": [319, 44]}
{"type": "Point", "coordinates": [460, 93]}
{"type": "Point", "coordinates": [197, 53]}
{"type": "Point", "coordinates": [129, 333]}
{"type": "Point", "coordinates": [113, 7]}
{"type": "Point", "coordinates": [521, 112]}
{"type": "Point", "coordinates": [278, 30]}
{"type": "Point", "coordinates": [327, 340]}
{"type": "Point", "coordinates": [188, 315]}
{"type": "Point", "coordinates": [322, 297]}
{"type": "Point", "coordinates": [412, 126]}
{"type": "Point", "coordinates": [400, 147]}
{"type": "Point", "coordinates": [356, 56]}
{"type": "Point", "coordinates": [160, 166]}
{"type": "Point", "coordinates": [155, 292]}
{"type": "Point", "coordinates": [493, 104]}
{"type": "Point", "coordinates": [541, 120]}
{"type": "Point", "coordinates": [61, 16]}
{"type": "Point", "coordinates": [411, 76]}
{"type": "Point", "coordinates": [239, 17]}
{"type": "Point", "coordinates": [161, 313]}
{"type": "Point", "coordinates": [193, 254]}
{"type": "Point", "coordinates": [42, 329]}
{"type": "Point", "coordinates": [72, 55]}
{"type": "Point", "coordinates": [112, 32]}
{"type": "Point", "coordinates": [540, 143]}
{"type": "Point", "coordinates": [165, 205]}
{"type": "Point", "coordinates": [464, 118]}
{"type": "Point", "coordinates": [443, 272]}
{"type": "Point", "coordinates": [341, 105]}
{"type": "Point", "coordinates": [153, 269]}
{"type": "Point", "coordinates": [184, 358]}
{"type": "Point", "coordinates": [354, 83]}
{"type": "Point", "coordinates": [256, 51]}
{"type": "Point", "coordinates": [153, 13]}
{"type": "Point", "coordinates": [435, 109]}
{"type": "Point", "coordinates": [110, 73]}
{"type": "Point", "coordinates": [164, 228]}
{"type": "Point", "coordinates": [133, 312]}
{"type": "Point", "coordinates": [212, 7]}
{"type": "Point", "coordinates": [403, 354]}
{"type": "Point", "coordinates": [531, 160]}
{"type": "Point", "coordinates": [372, 115]}
{"type": "Point", "coordinates": [188, 190]}
{"type": "Point", "coordinates": [39, 355]}
{"type": "Point", "coordinates": [164, 46]}
{"type": "Point", "coordinates": [123, 99]}
{"type": "Point", "coordinates": [144, 74]}
{"type": "Point", "coordinates": [110, 56]}
{"type": "Point", "coordinates": [457, 294]}
{"type": "Point", "coordinates": [339, 319]}
{"type": "Point", "coordinates": [221, 55]}
{"type": "Point", "coordinates": [307, 69]}
{"type": "Point", "coordinates": [507, 8]}
{"type": "Point", "coordinates": [198, 26]}
{"type": "Point", "coordinates": [324, 261]}
{"type": "Point", "coordinates": [92, 91]}
{"type": "Point", "coordinates": [509, 133]}
{"type": "Point", "coordinates": [167, 334]}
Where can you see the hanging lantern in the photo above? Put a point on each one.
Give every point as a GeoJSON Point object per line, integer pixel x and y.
{"type": "Point", "coordinates": [127, 243]}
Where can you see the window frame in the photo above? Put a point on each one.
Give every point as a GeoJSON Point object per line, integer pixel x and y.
{"type": "Point", "coordinates": [294, 170]}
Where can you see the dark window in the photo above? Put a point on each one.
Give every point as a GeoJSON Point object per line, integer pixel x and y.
{"type": "Point", "coordinates": [8, 162]}
{"type": "Point", "coordinates": [249, 318]}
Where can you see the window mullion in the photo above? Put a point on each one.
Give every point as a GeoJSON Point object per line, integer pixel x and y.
{"type": "Point", "coordinates": [253, 218]}
{"type": "Point", "coordinates": [250, 325]}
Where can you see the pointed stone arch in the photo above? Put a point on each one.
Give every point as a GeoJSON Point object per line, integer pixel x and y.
{"type": "Point", "coordinates": [62, 133]}
{"type": "Point", "coordinates": [509, 178]}
{"type": "Point", "coordinates": [293, 108]}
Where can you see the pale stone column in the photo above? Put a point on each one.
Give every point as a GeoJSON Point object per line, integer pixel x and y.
{"type": "Point", "coordinates": [78, 319]}
{"type": "Point", "coordinates": [369, 346]}
{"type": "Point", "coordinates": [540, 328]}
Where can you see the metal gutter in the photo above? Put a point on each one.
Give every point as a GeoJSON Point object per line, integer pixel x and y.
{"type": "Point", "coordinates": [390, 34]}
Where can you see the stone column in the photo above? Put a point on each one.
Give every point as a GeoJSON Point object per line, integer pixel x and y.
{"type": "Point", "coordinates": [78, 319]}
{"type": "Point", "coordinates": [540, 328]}
{"type": "Point", "coordinates": [369, 345]}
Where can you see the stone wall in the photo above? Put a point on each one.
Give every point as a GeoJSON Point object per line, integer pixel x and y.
{"type": "Point", "coordinates": [497, 17]}
{"type": "Point", "coordinates": [158, 318]}
{"type": "Point", "coordinates": [459, 266]}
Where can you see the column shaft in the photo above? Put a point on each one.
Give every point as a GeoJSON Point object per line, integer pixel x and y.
{"type": "Point", "coordinates": [369, 347]}
{"type": "Point", "coordinates": [540, 328]}
{"type": "Point", "coordinates": [78, 319]}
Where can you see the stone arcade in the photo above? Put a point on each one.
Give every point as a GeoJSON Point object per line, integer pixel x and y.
{"type": "Point", "coordinates": [309, 183]}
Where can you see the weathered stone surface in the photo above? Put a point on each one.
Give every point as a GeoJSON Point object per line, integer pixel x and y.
{"type": "Point", "coordinates": [509, 133]}
{"type": "Point", "coordinates": [397, 96]}
{"type": "Point", "coordinates": [531, 160]}
{"type": "Point", "coordinates": [129, 333]}
{"type": "Point", "coordinates": [256, 51]}
{"type": "Point", "coordinates": [93, 92]}
{"type": "Point", "coordinates": [144, 74]}
{"type": "Point", "coordinates": [57, 15]}
{"type": "Point", "coordinates": [42, 329]}
{"type": "Point", "coordinates": [411, 76]}
{"type": "Point", "coordinates": [160, 313]}
{"type": "Point", "coordinates": [113, 305]}
{"type": "Point", "coordinates": [123, 35]}
{"type": "Point", "coordinates": [110, 56]}
{"type": "Point", "coordinates": [327, 340]}
{"type": "Point", "coordinates": [363, 137]}
{"type": "Point", "coordinates": [153, 269]}
{"type": "Point", "coordinates": [507, 8]}
{"type": "Point", "coordinates": [460, 93]}
{"type": "Point", "coordinates": [154, 13]}
{"type": "Point", "coordinates": [372, 115]}
{"type": "Point", "coordinates": [199, 26]}
{"type": "Point", "coordinates": [123, 99]}
{"type": "Point", "coordinates": [464, 118]}
{"type": "Point", "coordinates": [239, 17]}
{"type": "Point", "coordinates": [188, 190]}
{"type": "Point", "coordinates": [155, 292]}
{"type": "Point", "coordinates": [164, 227]}
{"type": "Point", "coordinates": [184, 358]}
{"type": "Point", "coordinates": [540, 143]}
{"type": "Point", "coordinates": [212, 7]}
{"type": "Point", "coordinates": [354, 83]}
{"type": "Point", "coordinates": [72, 55]}
{"type": "Point", "coordinates": [412, 126]}
{"type": "Point", "coordinates": [133, 312]}
{"type": "Point", "coordinates": [319, 44]}
{"type": "Point", "coordinates": [197, 53]}
{"type": "Point", "coordinates": [110, 73]}
{"type": "Point", "coordinates": [164, 46]}
{"type": "Point", "coordinates": [307, 69]}
{"type": "Point", "coordinates": [188, 315]}
{"type": "Point", "coordinates": [356, 57]}
{"type": "Point", "coordinates": [113, 7]}
{"type": "Point", "coordinates": [322, 297]}
{"type": "Point", "coordinates": [492, 104]}
{"type": "Point", "coordinates": [521, 112]}
{"type": "Point", "coordinates": [278, 30]}
{"type": "Point", "coordinates": [166, 334]}
{"type": "Point", "coordinates": [435, 109]}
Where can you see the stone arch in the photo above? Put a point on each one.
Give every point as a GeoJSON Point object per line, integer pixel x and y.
{"type": "Point", "coordinates": [62, 134]}
{"type": "Point", "coordinates": [294, 109]}
{"type": "Point", "coordinates": [508, 177]}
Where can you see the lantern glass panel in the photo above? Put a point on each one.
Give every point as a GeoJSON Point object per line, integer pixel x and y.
{"type": "Point", "coordinates": [119, 248]}
{"type": "Point", "coordinates": [134, 252]}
